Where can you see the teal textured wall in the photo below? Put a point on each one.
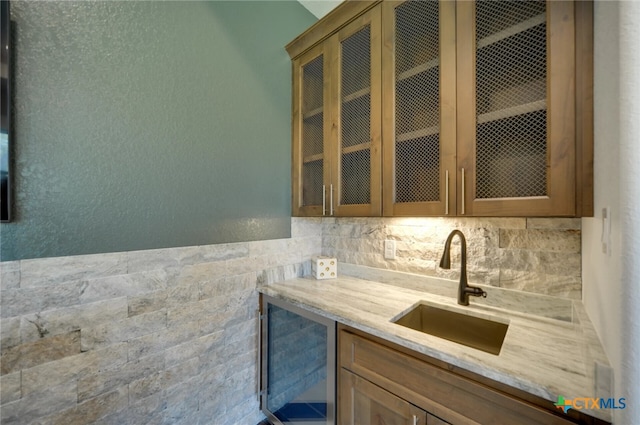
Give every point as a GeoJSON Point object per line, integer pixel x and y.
{"type": "Point", "coordinates": [145, 125]}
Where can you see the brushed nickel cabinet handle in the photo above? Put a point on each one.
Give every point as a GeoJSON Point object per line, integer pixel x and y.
{"type": "Point", "coordinates": [463, 194]}
{"type": "Point", "coordinates": [446, 192]}
{"type": "Point", "coordinates": [331, 200]}
{"type": "Point", "coordinates": [324, 199]}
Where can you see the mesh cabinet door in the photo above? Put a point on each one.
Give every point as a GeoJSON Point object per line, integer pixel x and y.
{"type": "Point", "coordinates": [419, 81]}
{"type": "Point", "coordinates": [357, 161]}
{"type": "Point", "coordinates": [310, 172]}
{"type": "Point", "coordinates": [516, 120]}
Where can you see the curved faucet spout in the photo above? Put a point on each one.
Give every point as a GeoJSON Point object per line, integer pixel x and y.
{"type": "Point", "coordinates": [464, 290]}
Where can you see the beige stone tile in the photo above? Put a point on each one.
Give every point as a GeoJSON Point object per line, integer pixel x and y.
{"type": "Point", "coordinates": [245, 265]}
{"type": "Point", "coordinates": [181, 406]}
{"type": "Point", "coordinates": [162, 339]}
{"type": "Point", "coordinates": [556, 263]}
{"type": "Point", "coordinates": [257, 248]}
{"type": "Point", "coordinates": [124, 285]}
{"type": "Point", "coordinates": [146, 386]}
{"type": "Point", "coordinates": [91, 410]}
{"type": "Point", "coordinates": [193, 348]}
{"type": "Point", "coordinates": [241, 283]}
{"type": "Point", "coordinates": [49, 271]}
{"type": "Point", "coordinates": [148, 411]}
{"type": "Point", "coordinates": [182, 293]}
{"type": "Point", "coordinates": [223, 252]}
{"type": "Point", "coordinates": [307, 247]}
{"type": "Point", "coordinates": [537, 281]}
{"type": "Point", "coordinates": [181, 372]}
{"type": "Point", "coordinates": [542, 240]}
{"type": "Point", "coordinates": [146, 303]}
{"type": "Point", "coordinates": [59, 321]}
{"type": "Point", "coordinates": [41, 351]}
{"type": "Point", "coordinates": [199, 273]}
{"type": "Point", "coordinates": [192, 312]}
{"type": "Point", "coordinates": [140, 261]}
{"type": "Point", "coordinates": [107, 380]}
{"type": "Point", "coordinates": [10, 387]}
{"type": "Point", "coordinates": [40, 404]}
{"type": "Point", "coordinates": [10, 333]}
{"type": "Point", "coordinates": [282, 258]}
{"type": "Point", "coordinates": [17, 302]}
{"type": "Point", "coordinates": [72, 368]}
{"type": "Point", "coordinates": [9, 275]}
{"type": "Point", "coordinates": [214, 287]}
{"type": "Point", "coordinates": [302, 227]}
{"type": "Point", "coordinates": [99, 336]}
{"type": "Point", "coordinates": [554, 223]}
{"type": "Point", "coordinates": [281, 273]}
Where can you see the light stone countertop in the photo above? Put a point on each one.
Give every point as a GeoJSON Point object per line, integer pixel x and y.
{"type": "Point", "coordinates": [541, 355]}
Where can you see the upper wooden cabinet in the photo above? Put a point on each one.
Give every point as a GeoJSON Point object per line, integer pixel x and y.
{"type": "Point", "coordinates": [336, 124]}
{"type": "Point", "coordinates": [445, 108]}
{"type": "Point", "coordinates": [419, 110]}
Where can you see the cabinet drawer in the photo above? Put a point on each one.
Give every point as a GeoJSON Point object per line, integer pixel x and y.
{"type": "Point", "coordinates": [454, 398]}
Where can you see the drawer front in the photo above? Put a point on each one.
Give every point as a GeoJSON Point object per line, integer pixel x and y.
{"type": "Point", "coordinates": [456, 399]}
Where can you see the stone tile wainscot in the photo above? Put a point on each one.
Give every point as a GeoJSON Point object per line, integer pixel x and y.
{"type": "Point", "coordinates": [161, 337]}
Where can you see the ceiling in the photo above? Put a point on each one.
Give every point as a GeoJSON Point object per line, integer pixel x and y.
{"type": "Point", "coordinates": [319, 7]}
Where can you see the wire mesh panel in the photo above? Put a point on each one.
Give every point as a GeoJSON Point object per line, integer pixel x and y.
{"type": "Point", "coordinates": [312, 132]}
{"type": "Point", "coordinates": [355, 116]}
{"type": "Point", "coordinates": [417, 106]}
{"type": "Point", "coordinates": [511, 63]}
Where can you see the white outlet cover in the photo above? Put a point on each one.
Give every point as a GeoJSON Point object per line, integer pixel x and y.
{"type": "Point", "coordinates": [389, 249]}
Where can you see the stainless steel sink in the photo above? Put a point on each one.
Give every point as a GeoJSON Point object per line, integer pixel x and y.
{"type": "Point", "coordinates": [476, 332]}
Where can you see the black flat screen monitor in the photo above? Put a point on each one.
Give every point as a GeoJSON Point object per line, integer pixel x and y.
{"type": "Point", "coordinates": [5, 147]}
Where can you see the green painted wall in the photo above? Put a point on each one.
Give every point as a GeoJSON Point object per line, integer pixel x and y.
{"type": "Point", "coordinates": [145, 124]}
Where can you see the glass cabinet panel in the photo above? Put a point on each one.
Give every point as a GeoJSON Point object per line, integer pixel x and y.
{"type": "Point", "coordinates": [298, 365]}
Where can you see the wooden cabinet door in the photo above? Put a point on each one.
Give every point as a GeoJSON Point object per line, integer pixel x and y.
{"type": "Point", "coordinates": [355, 118]}
{"type": "Point", "coordinates": [336, 123]}
{"type": "Point", "coordinates": [516, 108]}
{"type": "Point", "coordinates": [311, 127]}
{"type": "Point", "coordinates": [363, 403]}
{"type": "Point", "coordinates": [419, 104]}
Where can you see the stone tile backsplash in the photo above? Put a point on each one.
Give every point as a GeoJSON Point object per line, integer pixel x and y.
{"type": "Point", "coordinates": [170, 335]}
{"type": "Point", "coordinates": [528, 254]}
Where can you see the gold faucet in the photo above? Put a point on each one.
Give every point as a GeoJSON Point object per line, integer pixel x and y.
{"type": "Point", "coordinates": [464, 290]}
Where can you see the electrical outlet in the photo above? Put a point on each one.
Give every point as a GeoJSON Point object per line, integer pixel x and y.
{"type": "Point", "coordinates": [389, 249]}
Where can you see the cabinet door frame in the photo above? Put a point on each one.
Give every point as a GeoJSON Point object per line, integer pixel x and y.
{"type": "Point", "coordinates": [447, 105]}
{"type": "Point", "coordinates": [561, 125]}
{"type": "Point", "coordinates": [297, 162]}
{"type": "Point", "coordinates": [350, 383]}
{"type": "Point", "coordinates": [370, 18]}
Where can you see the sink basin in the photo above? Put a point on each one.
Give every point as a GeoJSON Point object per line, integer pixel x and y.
{"type": "Point", "coordinates": [476, 332]}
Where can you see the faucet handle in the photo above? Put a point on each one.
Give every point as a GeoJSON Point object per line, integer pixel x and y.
{"type": "Point", "coordinates": [475, 291]}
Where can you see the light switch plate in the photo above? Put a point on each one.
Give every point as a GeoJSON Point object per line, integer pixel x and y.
{"type": "Point", "coordinates": [606, 231]}
{"type": "Point", "coordinates": [389, 249]}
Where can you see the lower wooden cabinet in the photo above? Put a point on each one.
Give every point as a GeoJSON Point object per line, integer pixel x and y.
{"type": "Point", "coordinates": [383, 384]}
{"type": "Point", "coordinates": [364, 403]}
